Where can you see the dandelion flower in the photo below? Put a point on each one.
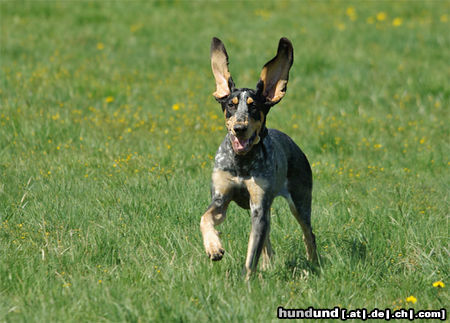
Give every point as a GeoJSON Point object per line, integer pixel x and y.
{"type": "Point", "coordinates": [100, 46]}
{"type": "Point", "coordinates": [439, 284]}
{"type": "Point", "coordinates": [109, 99]}
{"type": "Point", "coordinates": [411, 299]}
{"type": "Point", "coordinates": [381, 16]}
{"type": "Point", "coordinates": [351, 13]}
{"type": "Point", "coordinates": [397, 22]}
{"type": "Point", "coordinates": [176, 107]}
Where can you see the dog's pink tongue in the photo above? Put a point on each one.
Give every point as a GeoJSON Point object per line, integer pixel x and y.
{"type": "Point", "coordinates": [239, 144]}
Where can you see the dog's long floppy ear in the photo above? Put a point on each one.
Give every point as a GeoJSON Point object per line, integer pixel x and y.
{"type": "Point", "coordinates": [219, 65]}
{"type": "Point", "coordinates": [275, 74]}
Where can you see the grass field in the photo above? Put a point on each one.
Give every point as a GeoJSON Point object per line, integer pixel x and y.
{"type": "Point", "coordinates": [107, 135]}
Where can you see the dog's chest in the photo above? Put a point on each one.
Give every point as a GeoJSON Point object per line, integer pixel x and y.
{"type": "Point", "coordinates": [244, 176]}
{"type": "Point", "coordinates": [259, 162]}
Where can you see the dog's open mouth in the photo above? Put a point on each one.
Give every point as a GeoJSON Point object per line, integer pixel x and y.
{"type": "Point", "coordinates": [241, 145]}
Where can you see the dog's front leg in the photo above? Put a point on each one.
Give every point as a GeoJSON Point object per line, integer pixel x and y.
{"type": "Point", "coordinates": [260, 209]}
{"type": "Point", "coordinates": [221, 188]}
{"type": "Point", "coordinates": [215, 215]}
{"type": "Point", "coordinates": [258, 235]}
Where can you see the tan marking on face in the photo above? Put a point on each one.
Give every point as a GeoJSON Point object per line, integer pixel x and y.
{"type": "Point", "coordinates": [255, 126]}
{"type": "Point", "coordinates": [249, 100]}
{"type": "Point", "coordinates": [235, 100]}
{"type": "Point", "coordinates": [232, 121]}
{"type": "Point", "coordinates": [251, 124]}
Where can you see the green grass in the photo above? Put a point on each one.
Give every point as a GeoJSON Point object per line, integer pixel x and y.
{"type": "Point", "coordinates": [108, 131]}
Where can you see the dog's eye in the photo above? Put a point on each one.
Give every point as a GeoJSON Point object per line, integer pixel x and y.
{"type": "Point", "coordinates": [231, 106]}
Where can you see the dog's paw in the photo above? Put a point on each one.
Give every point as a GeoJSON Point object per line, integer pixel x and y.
{"type": "Point", "coordinates": [216, 255]}
{"type": "Point", "coordinates": [213, 247]}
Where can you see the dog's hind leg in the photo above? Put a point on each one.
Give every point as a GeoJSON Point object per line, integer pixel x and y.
{"type": "Point", "coordinates": [267, 253]}
{"type": "Point", "coordinates": [300, 204]}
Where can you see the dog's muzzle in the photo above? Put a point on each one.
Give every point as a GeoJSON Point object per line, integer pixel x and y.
{"type": "Point", "coordinates": [240, 145]}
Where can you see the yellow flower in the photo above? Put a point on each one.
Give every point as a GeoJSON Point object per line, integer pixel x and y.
{"type": "Point", "coordinates": [439, 284]}
{"type": "Point", "coordinates": [176, 107]}
{"type": "Point", "coordinates": [411, 299]}
{"type": "Point", "coordinates": [351, 13]}
{"type": "Point", "coordinates": [100, 46]}
{"type": "Point", "coordinates": [109, 99]}
{"type": "Point", "coordinates": [397, 22]}
{"type": "Point", "coordinates": [381, 16]}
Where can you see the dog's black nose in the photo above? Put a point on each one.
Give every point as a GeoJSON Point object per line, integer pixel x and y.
{"type": "Point", "coordinates": [240, 129]}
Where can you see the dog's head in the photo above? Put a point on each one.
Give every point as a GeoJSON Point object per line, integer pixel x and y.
{"type": "Point", "coordinates": [246, 109]}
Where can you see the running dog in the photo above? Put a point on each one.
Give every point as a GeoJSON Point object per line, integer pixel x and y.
{"type": "Point", "coordinates": [253, 165]}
